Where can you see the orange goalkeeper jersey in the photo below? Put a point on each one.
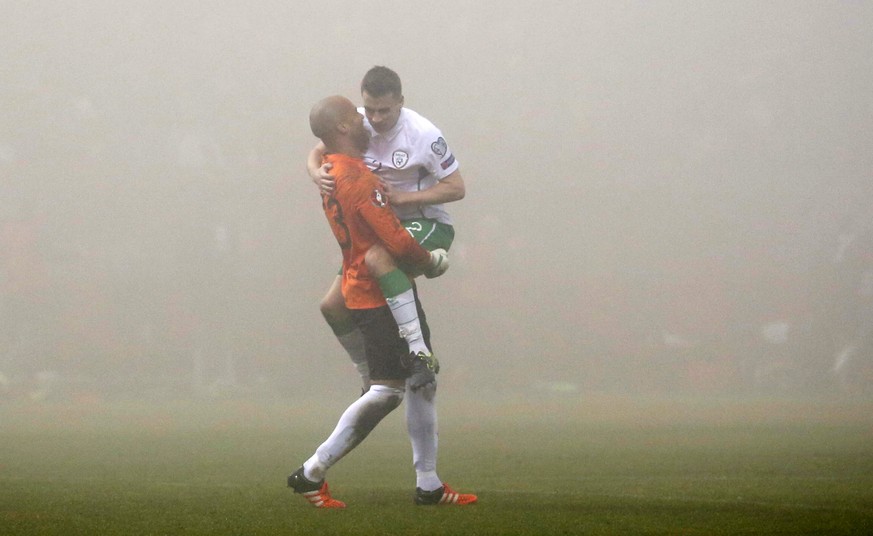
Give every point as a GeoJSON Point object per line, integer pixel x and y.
{"type": "Point", "coordinates": [359, 217]}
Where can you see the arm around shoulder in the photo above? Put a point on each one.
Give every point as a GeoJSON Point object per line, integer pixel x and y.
{"type": "Point", "coordinates": [318, 170]}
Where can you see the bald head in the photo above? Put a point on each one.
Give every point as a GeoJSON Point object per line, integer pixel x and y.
{"type": "Point", "coordinates": [327, 114]}
{"type": "Point", "coordinates": [336, 121]}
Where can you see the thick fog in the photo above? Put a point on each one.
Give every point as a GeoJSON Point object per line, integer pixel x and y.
{"type": "Point", "coordinates": [661, 196]}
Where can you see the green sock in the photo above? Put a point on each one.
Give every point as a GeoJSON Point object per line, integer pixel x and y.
{"type": "Point", "coordinates": [398, 293]}
{"type": "Point", "coordinates": [394, 283]}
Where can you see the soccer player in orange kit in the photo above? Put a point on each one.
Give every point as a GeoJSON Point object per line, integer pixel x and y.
{"type": "Point", "coordinates": [371, 237]}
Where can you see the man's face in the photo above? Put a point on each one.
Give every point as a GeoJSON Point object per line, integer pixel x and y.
{"type": "Point", "coordinates": [382, 112]}
{"type": "Point", "coordinates": [359, 134]}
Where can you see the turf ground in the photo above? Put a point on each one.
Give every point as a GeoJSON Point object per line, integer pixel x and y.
{"type": "Point", "coordinates": [570, 465]}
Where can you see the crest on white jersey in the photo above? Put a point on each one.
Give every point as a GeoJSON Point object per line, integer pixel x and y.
{"type": "Point", "coordinates": [440, 146]}
{"type": "Point", "coordinates": [400, 158]}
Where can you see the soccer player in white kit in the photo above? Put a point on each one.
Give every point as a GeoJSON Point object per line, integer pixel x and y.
{"type": "Point", "coordinates": [420, 174]}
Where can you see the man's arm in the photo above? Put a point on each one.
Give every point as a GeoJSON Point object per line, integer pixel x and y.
{"type": "Point", "coordinates": [447, 190]}
{"type": "Point", "coordinates": [319, 171]}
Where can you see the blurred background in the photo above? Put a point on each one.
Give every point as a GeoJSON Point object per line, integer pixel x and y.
{"type": "Point", "coordinates": [662, 197]}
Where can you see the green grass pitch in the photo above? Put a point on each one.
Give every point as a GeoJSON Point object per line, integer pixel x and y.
{"type": "Point", "coordinates": [541, 466]}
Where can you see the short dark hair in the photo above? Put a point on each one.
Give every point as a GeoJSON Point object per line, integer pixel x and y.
{"type": "Point", "coordinates": [380, 81]}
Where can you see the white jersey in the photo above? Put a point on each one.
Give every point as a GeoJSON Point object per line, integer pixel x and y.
{"type": "Point", "coordinates": [412, 156]}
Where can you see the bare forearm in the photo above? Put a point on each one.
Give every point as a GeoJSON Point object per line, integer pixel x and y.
{"type": "Point", "coordinates": [319, 171]}
{"type": "Point", "coordinates": [446, 191]}
{"type": "Point", "coordinates": [314, 162]}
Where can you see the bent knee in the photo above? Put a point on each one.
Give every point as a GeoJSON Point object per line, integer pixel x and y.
{"type": "Point", "coordinates": [333, 307]}
{"type": "Point", "coordinates": [379, 262]}
{"type": "Point", "coordinates": [337, 316]}
{"type": "Point", "coordinates": [390, 396]}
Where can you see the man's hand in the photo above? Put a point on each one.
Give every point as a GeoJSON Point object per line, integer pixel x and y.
{"type": "Point", "coordinates": [397, 198]}
{"type": "Point", "coordinates": [323, 179]}
{"type": "Point", "coordinates": [439, 263]}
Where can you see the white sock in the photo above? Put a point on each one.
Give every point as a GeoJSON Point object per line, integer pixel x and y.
{"type": "Point", "coordinates": [353, 342]}
{"type": "Point", "coordinates": [356, 422]}
{"type": "Point", "coordinates": [406, 315]}
{"type": "Point", "coordinates": [421, 423]}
